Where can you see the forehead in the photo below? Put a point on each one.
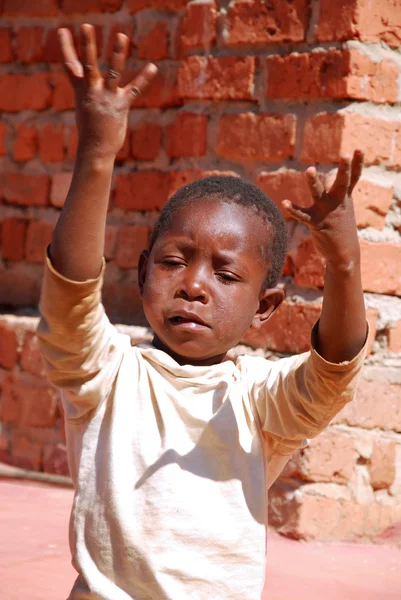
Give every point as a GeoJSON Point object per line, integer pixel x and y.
{"type": "Point", "coordinates": [221, 225]}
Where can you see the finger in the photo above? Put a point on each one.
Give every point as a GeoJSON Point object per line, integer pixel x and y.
{"type": "Point", "coordinates": [356, 169]}
{"type": "Point", "coordinates": [113, 76]}
{"type": "Point", "coordinates": [314, 183]}
{"type": "Point", "coordinates": [296, 212]}
{"type": "Point", "coordinates": [89, 54]}
{"type": "Point", "coordinates": [141, 81]}
{"type": "Point", "coordinates": [341, 184]}
{"type": "Point", "coordinates": [71, 61]}
{"type": "Point", "coordinates": [330, 179]}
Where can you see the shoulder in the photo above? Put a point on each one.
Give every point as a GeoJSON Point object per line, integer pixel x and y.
{"type": "Point", "coordinates": [257, 368]}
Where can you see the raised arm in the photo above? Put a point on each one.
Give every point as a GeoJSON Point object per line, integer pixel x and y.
{"type": "Point", "coordinates": [331, 221]}
{"type": "Point", "coordinates": [102, 109]}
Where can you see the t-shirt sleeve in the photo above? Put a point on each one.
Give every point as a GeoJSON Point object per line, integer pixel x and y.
{"type": "Point", "coordinates": [81, 348]}
{"type": "Point", "coordinates": [295, 398]}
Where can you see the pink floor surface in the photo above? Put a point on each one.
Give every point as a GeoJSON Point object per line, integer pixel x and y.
{"type": "Point", "coordinates": [35, 564]}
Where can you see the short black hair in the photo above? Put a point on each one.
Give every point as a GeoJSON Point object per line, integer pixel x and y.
{"type": "Point", "coordinates": [226, 188]}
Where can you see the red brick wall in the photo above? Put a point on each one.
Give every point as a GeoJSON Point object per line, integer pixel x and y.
{"type": "Point", "coordinates": [259, 88]}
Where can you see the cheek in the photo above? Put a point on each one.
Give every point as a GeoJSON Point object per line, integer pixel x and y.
{"type": "Point", "coordinates": [235, 311]}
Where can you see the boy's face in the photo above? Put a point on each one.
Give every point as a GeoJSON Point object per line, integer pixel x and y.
{"type": "Point", "coordinates": [201, 285]}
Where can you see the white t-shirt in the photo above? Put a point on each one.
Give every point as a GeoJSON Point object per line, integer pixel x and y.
{"type": "Point", "coordinates": [171, 463]}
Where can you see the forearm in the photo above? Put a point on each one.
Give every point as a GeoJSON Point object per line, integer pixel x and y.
{"type": "Point", "coordinates": [342, 325]}
{"type": "Point", "coordinates": [78, 241]}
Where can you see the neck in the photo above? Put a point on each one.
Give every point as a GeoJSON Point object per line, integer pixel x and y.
{"type": "Point", "coordinates": [185, 360]}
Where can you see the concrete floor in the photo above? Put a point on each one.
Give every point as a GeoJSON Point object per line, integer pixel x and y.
{"type": "Point", "coordinates": [35, 562]}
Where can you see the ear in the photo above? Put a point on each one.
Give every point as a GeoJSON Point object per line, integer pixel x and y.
{"type": "Point", "coordinates": [142, 269]}
{"type": "Point", "coordinates": [269, 300]}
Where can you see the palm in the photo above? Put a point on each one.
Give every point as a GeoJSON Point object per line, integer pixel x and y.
{"type": "Point", "coordinates": [102, 106]}
{"type": "Point", "coordinates": [331, 218]}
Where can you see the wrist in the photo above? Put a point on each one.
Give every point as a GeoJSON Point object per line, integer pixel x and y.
{"type": "Point", "coordinates": [344, 266]}
{"type": "Point", "coordinates": [96, 158]}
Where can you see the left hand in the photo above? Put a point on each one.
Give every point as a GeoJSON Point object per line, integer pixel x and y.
{"type": "Point", "coordinates": [331, 218]}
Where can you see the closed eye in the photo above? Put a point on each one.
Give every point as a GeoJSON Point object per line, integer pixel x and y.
{"type": "Point", "coordinates": [173, 262]}
{"type": "Point", "coordinates": [227, 277]}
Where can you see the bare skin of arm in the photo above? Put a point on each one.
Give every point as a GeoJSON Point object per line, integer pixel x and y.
{"type": "Point", "coordinates": [102, 109]}
{"type": "Point", "coordinates": [331, 221]}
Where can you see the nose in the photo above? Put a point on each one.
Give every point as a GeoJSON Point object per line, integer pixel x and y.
{"type": "Point", "coordinates": [192, 286]}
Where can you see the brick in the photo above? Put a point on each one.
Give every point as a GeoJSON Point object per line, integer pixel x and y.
{"type": "Point", "coordinates": [366, 412]}
{"type": "Point", "coordinates": [372, 201]}
{"type": "Point", "coordinates": [187, 136]}
{"type": "Point", "coordinates": [110, 241]}
{"type": "Point", "coordinates": [396, 155]}
{"type": "Point", "coordinates": [371, 317]}
{"type": "Point", "coordinates": [127, 27]}
{"type": "Point", "coordinates": [63, 93]}
{"type": "Point", "coordinates": [132, 240]}
{"type": "Point", "coordinates": [124, 152]}
{"type": "Point", "coordinates": [288, 330]}
{"type": "Point", "coordinates": [212, 172]}
{"type": "Point", "coordinates": [8, 347]}
{"type": "Point", "coordinates": [153, 45]}
{"type": "Point", "coordinates": [285, 185]}
{"type": "Point", "coordinates": [13, 235]}
{"type": "Point", "coordinates": [24, 453]}
{"type": "Point", "coordinates": [4, 447]}
{"type": "Point", "coordinates": [260, 23]}
{"type": "Point", "coordinates": [38, 237]}
{"type": "Point", "coordinates": [6, 51]}
{"type": "Point", "coordinates": [144, 190]}
{"type": "Point", "coordinates": [51, 46]}
{"type": "Point", "coordinates": [381, 267]}
{"type": "Point", "coordinates": [394, 338]}
{"type": "Point", "coordinates": [9, 406]}
{"type": "Point", "coordinates": [29, 44]}
{"type": "Point", "coordinates": [26, 143]}
{"type": "Point", "coordinates": [162, 92]}
{"type": "Point", "coordinates": [256, 137]}
{"type": "Point", "coordinates": [360, 19]}
{"type": "Point", "coordinates": [309, 514]}
{"type": "Point", "coordinates": [26, 8]}
{"type": "Point", "coordinates": [3, 136]}
{"type": "Point", "coordinates": [330, 457]}
{"type": "Point", "coordinates": [31, 358]}
{"type": "Point", "coordinates": [23, 92]}
{"type": "Point", "coordinates": [72, 143]}
{"type": "Point", "coordinates": [336, 74]}
{"type": "Point", "coordinates": [46, 436]}
{"type": "Point", "coordinates": [30, 402]}
{"type": "Point", "coordinates": [382, 464]}
{"type": "Point", "coordinates": [308, 265]}
{"type": "Point", "coordinates": [224, 78]}
{"type": "Point", "coordinates": [375, 81]}
{"type": "Point", "coordinates": [146, 141]}
{"type": "Point", "coordinates": [121, 296]}
{"type": "Point", "coordinates": [134, 6]}
{"type": "Point", "coordinates": [177, 179]}
{"type": "Point", "coordinates": [51, 142]}
{"type": "Point", "coordinates": [79, 7]}
{"type": "Point", "coordinates": [150, 190]}
{"type": "Point", "coordinates": [19, 285]}
{"type": "Point", "coordinates": [55, 460]}
{"type": "Point", "coordinates": [24, 189]}
{"type": "Point", "coordinates": [328, 136]}
{"type": "Point", "coordinates": [198, 26]}
{"type": "Point", "coordinates": [59, 189]}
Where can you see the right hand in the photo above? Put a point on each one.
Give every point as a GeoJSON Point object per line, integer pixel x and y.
{"type": "Point", "coordinates": [102, 107]}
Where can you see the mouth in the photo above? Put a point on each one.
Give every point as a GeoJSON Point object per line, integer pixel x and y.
{"type": "Point", "coordinates": [186, 320]}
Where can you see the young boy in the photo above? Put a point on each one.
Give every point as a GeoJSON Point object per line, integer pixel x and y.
{"type": "Point", "coordinates": [165, 439]}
